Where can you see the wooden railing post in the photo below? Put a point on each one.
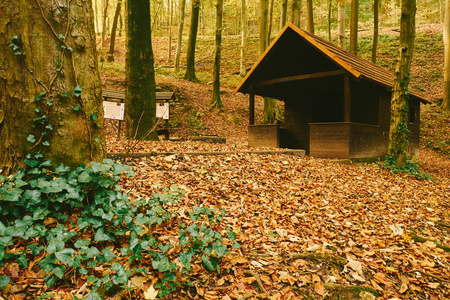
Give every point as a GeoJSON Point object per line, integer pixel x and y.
{"type": "Point", "coordinates": [251, 109]}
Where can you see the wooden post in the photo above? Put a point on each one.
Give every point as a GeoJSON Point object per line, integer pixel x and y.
{"type": "Point", "coordinates": [251, 109]}
{"type": "Point", "coordinates": [347, 99]}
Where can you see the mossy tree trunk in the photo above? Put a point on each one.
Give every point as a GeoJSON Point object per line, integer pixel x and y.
{"type": "Point", "coordinates": [216, 101]}
{"type": "Point", "coordinates": [113, 31]}
{"type": "Point", "coordinates": [180, 35]}
{"type": "Point", "coordinates": [284, 4]}
{"type": "Point", "coordinates": [105, 16]}
{"type": "Point", "coordinates": [50, 89]}
{"type": "Point", "coordinates": [310, 16]}
{"type": "Point", "coordinates": [376, 5]}
{"type": "Point", "coordinates": [272, 112]}
{"type": "Point", "coordinates": [243, 63]}
{"type": "Point", "coordinates": [354, 27]}
{"type": "Point", "coordinates": [140, 108]}
{"type": "Point", "coordinates": [296, 12]}
{"type": "Point", "coordinates": [398, 133]}
{"type": "Point", "coordinates": [190, 58]}
{"type": "Point", "coordinates": [269, 27]}
{"type": "Point", "coordinates": [446, 88]}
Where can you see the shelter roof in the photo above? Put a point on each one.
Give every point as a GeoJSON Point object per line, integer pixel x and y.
{"type": "Point", "coordinates": [286, 58]}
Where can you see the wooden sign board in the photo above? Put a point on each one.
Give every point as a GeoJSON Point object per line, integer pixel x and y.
{"type": "Point", "coordinates": [162, 110]}
{"type": "Point", "coordinates": [114, 110]}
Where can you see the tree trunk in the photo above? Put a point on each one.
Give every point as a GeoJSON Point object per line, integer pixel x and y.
{"type": "Point", "coordinates": [140, 95]}
{"type": "Point", "coordinates": [216, 101]}
{"type": "Point", "coordinates": [310, 16]}
{"type": "Point", "coordinates": [50, 89]}
{"type": "Point", "coordinates": [96, 16]}
{"type": "Point", "coordinates": [243, 64]}
{"type": "Point", "coordinates": [169, 57]}
{"type": "Point", "coordinates": [271, 110]}
{"type": "Point", "coordinates": [296, 12]}
{"type": "Point", "coordinates": [180, 35]}
{"type": "Point", "coordinates": [190, 58]}
{"type": "Point", "coordinates": [284, 4]}
{"type": "Point", "coordinates": [341, 24]}
{"type": "Point", "coordinates": [329, 20]}
{"type": "Point", "coordinates": [263, 25]}
{"type": "Point", "coordinates": [113, 31]}
{"type": "Point", "coordinates": [376, 5]}
{"type": "Point", "coordinates": [105, 14]}
{"type": "Point", "coordinates": [398, 133]}
{"type": "Point", "coordinates": [269, 27]}
{"type": "Point", "coordinates": [446, 88]}
{"type": "Point", "coordinates": [354, 28]}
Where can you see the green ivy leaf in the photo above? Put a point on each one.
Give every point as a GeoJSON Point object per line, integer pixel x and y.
{"type": "Point", "coordinates": [31, 138]}
{"type": "Point", "coordinates": [165, 247]}
{"type": "Point", "coordinates": [236, 245]}
{"type": "Point", "coordinates": [84, 177]}
{"type": "Point", "coordinates": [77, 91]}
{"type": "Point", "coordinates": [49, 127]}
{"type": "Point", "coordinates": [209, 263]}
{"type": "Point", "coordinates": [59, 271]}
{"type": "Point", "coordinates": [46, 143]}
{"type": "Point", "coordinates": [37, 109]}
{"type": "Point", "coordinates": [82, 243]}
{"type": "Point", "coordinates": [4, 280]}
{"type": "Point", "coordinates": [22, 260]}
{"type": "Point", "coordinates": [220, 249]}
{"type": "Point", "coordinates": [55, 245]}
{"type": "Point", "coordinates": [65, 255]}
{"type": "Point", "coordinates": [100, 235]}
{"type": "Point", "coordinates": [46, 296]}
{"type": "Point", "coordinates": [94, 116]}
{"type": "Point", "coordinates": [108, 254]}
{"type": "Point", "coordinates": [82, 271]}
{"type": "Point", "coordinates": [61, 36]}
{"type": "Point", "coordinates": [49, 102]}
{"type": "Point", "coordinates": [76, 107]}
{"type": "Point", "coordinates": [121, 275]}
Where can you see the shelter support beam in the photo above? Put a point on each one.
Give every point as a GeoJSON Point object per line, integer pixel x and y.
{"type": "Point", "coordinates": [251, 109]}
{"type": "Point", "coordinates": [347, 99]}
{"type": "Point", "coordinates": [301, 77]}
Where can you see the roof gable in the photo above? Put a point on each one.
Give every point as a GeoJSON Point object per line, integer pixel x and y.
{"type": "Point", "coordinates": [294, 51]}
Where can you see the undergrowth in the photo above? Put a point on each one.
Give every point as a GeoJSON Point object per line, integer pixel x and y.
{"type": "Point", "coordinates": [66, 223]}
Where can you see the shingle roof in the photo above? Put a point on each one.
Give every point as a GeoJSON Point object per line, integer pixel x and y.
{"type": "Point", "coordinates": [358, 67]}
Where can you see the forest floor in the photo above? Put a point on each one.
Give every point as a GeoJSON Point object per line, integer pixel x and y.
{"type": "Point", "coordinates": [309, 228]}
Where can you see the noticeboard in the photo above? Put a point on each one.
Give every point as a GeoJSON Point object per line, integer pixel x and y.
{"type": "Point", "coordinates": [162, 110]}
{"type": "Point", "coordinates": [114, 110]}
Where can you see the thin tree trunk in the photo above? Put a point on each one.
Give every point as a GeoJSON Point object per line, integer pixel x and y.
{"type": "Point", "coordinates": [263, 25]}
{"type": "Point", "coordinates": [216, 101]}
{"type": "Point", "coordinates": [42, 109]}
{"type": "Point", "coordinates": [446, 87]}
{"type": "Point", "coordinates": [341, 24]}
{"type": "Point", "coordinates": [169, 58]}
{"type": "Point", "coordinates": [284, 4]}
{"type": "Point", "coordinates": [354, 27]}
{"type": "Point", "coordinates": [398, 133]}
{"type": "Point", "coordinates": [96, 16]}
{"type": "Point", "coordinates": [376, 5]}
{"type": "Point", "coordinates": [105, 14]}
{"type": "Point", "coordinates": [296, 12]}
{"type": "Point", "coordinates": [269, 29]}
{"type": "Point", "coordinates": [113, 31]}
{"type": "Point", "coordinates": [180, 35]}
{"type": "Point", "coordinates": [310, 15]}
{"type": "Point", "coordinates": [243, 64]}
{"type": "Point", "coordinates": [140, 109]}
{"type": "Point", "coordinates": [190, 59]}
{"type": "Point", "coordinates": [329, 20]}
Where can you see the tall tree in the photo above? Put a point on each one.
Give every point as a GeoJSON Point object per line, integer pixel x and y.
{"type": "Point", "coordinates": [310, 16]}
{"type": "Point", "coordinates": [284, 4]}
{"type": "Point", "coordinates": [269, 28]}
{"type": "Point", "coordinates": [50, 89]}
{"type": "Point", "coordinates": [341, 24]}
{"type": "Point", "coordinates": [296, 12]}
{"type": "Point", "coordinates": [272, 112]}
{"type": "Point", "coordinates": [398, 133]}
{"type": "Point", "coordinates": [140, 109]}
{"type": "Point", "coordinates": [354, 27]}
{"type": "Point", "coordinates": [169, 33]}
{"type": "Point", "coordinates": [113, 31]}
{"type": "Point", "coordinates": [105, 16]}
{"type": "Point", "coordinates": [216, 101]}
{"type": "Point", "coordinates": [243, 64]}
{"type": "Point", "coordinates": [376, 4]}
{"type": "Point", "coordinates": [446, 88]}
{"type": "Point", "coordinates": [180, 35]}
{"type": "Point", "coordinates": [190, 57]}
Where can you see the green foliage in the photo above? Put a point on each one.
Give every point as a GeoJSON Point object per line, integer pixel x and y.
{"type": "Point", "coordinates": [410, 168]}
{"type": "Point", "coordinates": [71, 218]}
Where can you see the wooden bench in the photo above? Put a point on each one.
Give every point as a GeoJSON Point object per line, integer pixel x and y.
{"type": "Point", "coordinates": [162, 100]}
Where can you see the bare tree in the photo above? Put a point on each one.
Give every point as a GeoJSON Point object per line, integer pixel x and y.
{"type": "Point", "coordinates": [446, 88]}
{"type": "Point", "coordinates": [180, 35]}
{"type": "Point", "coordinates": [243, 65]}
{"type": "Point", "coordinates": [354, 27]}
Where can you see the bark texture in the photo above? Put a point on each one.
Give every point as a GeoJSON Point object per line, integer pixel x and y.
{"type": "Point", "coordinates": [398, 133]}
{"type": "Point", "coordinates": [284, 4]}
{"type": "Point", "coordinates": [216, 101]}
{"type": "Point", "coordinates": [310, 16]}
{"type": "Point", "coordinates": [180, 35]}
{"type": "Point", "coordinates": [190, 57]}
{"type": "Point", "coordinates": [376, 5]}
{"type": "Point", "coordinates": [341, 24]}
{"type": "Point", "coordinates": [354, 27]}
{"type": "Point", "coordinates": [446, 87]}
{"type": "Point", "coordinates": [243, 63]}
{"type": "Point", "coordinates": [46, 51]}
{"type": "Point", "coordinates": [296, 12]}
{"type": "Point", "coordinates": [140, 108]}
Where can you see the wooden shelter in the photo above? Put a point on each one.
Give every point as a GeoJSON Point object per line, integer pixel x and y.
{"type": "Point", "coordinates": [336, 104]}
